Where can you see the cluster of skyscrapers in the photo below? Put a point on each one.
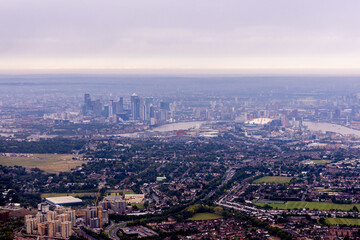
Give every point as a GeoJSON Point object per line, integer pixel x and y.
{"type": "Point", "coordinates": [96, 108]}
{"type": "Point", "coordinates": [57, 223]}
{"type": "Point", "coordinates": [140, 109]}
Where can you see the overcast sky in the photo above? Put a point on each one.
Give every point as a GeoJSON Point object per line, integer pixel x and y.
{"type": "Point", "coordinates": [182, 34]}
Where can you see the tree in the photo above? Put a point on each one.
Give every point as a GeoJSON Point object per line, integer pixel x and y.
{"type": "Point", "coordinates": [218, 210]}
{"type": "Point", "coordinates": [355, 209]}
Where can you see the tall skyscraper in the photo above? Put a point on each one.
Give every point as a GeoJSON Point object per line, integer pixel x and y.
{"type": "Point", "coordinates": [135, 107]}
{"type": "Point", "coordinates": [87, 98]}
{"type": "Point", "coordinates": [118, 107]}
{"type": "Point", "coordinates": [164, 111]}
{"type": "Point", "coordinates": [97, 108]}
{"type": "Point", "coordinates": [142, 110]}
{"type": "Point", "coordinates": [148, 105]}
{"type": "Point", "coordinates": [87, 104]}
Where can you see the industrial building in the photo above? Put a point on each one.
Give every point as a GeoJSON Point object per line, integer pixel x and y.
{"type": "Point", "coordinates": [65, 200]}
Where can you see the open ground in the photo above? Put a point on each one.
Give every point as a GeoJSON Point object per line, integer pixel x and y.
{"type": "Point", "coordinates": [273, 179]}
{"type": "Point", "coordinates": [205, 216]}
{"type": "Point", "coordinates": [312, 205]}
{"type": "Point", "coordinates": [51, 163]}
{"type": "Point", "coordinates": [343, 221]}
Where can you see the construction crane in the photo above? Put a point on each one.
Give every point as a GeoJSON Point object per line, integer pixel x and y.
{"type": "Point", "coordinates": [100, 210]}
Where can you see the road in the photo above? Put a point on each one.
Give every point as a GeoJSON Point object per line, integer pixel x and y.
{"type": "Point", "coordinates": [228, 175]}
{"type": "Point", "coordinates": [113, 229]}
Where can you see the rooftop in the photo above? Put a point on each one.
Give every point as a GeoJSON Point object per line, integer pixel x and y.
{"type": "Point", "coordinates": [63, 200]}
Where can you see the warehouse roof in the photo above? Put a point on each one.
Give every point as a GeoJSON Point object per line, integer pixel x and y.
{"type": "Point", "coordinates": [65, 200]}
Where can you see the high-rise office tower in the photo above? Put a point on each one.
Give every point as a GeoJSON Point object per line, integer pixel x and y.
{"type": "Point", "coordinates": [87, 104]}
{"type": "Point", "coordinates": [148, 105]}
{"type": "Point", "coordinates": [165, 106]}
{"type": "Point", "coordinates": [87, 98]}
{"type": "Point", "coordinates": [135, 107]}
{"type": "Point", "coordinates": [164, 111]}
{"type": "Point", "coordinates": [107, 111]}
{"type": "Point", "coordinates": [118, 107]}
{"type": "Point", "coordinates": [142, 110]}
{"type": "Point", "coordinates": [97, 108]}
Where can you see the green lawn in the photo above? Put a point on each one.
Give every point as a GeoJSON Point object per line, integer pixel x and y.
{"type": "Point", "coordinates": [273, 179]}
{"type": "Point", "coordinates": [321, 161]}
{"type": "Point", "coordinates": [205, 216]}
{"type": "Point", "coordinates": [312, 205]}
{"type": "Point", "coordinates": [129, 192]}
{"type": "Point", "coordinates": [138, 205]}
{"type": "Point", "coordinates": [343, 221]}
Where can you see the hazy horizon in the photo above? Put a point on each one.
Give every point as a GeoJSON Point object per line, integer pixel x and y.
{"type": "Point", "coordinates": [234, 36]}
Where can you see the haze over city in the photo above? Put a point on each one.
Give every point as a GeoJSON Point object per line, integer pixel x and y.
{"type": "Point", "coordinates": [164, 119]}
{"type": "Point", "coordinates": [223, 37]}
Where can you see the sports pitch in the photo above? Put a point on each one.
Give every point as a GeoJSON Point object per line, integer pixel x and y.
{"type": "Point", "coordinates": [273, 179]}
{"type": "Point", "coordinates": [312, 205]}
{"type": "Point", "coordinates": [51, 163]}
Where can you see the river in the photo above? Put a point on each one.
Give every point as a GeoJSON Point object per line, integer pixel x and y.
{"type": "Point", "coordinates": [176, 126]}
{"type": "Point", "coordinates": [324, 127]}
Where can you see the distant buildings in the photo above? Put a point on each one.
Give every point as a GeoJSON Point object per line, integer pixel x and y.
{"type": "Point", "coordinates": [135, 107]}
{"type": "Point", "coordinates": [141, 109]}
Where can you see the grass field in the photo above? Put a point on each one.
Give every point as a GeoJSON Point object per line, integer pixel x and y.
{"type": "Point", "coordinates": [273, 179]}
{"type": "Point", "coordinates": [129, 192]}
{"type": "Point", "coordinates": [52, 163]}
{"type": "Point", "coordinates": [312, 205]}
{"type": "Point", "coordinates": [343, 221]}
{"type": "Point", "coordinates": [138, 205]}
{"type": "Point", "coordinates": [321, 161]}
{"type": "Point", "coordinates": [265, 201]}
{"type": "Point", "coordinates": [205, 216]}
{"type": "Point", "coordinates": [83, 194]}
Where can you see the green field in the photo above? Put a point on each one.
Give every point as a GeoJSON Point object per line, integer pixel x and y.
{"type": "Point", "coordinates": [266, 201]}
{"type": "Point", "coordinates": [128, 192]}
{"type": "Point", "coordinates": [273, 179]}
{"type": "Point", "coordinates": [343, 221]}
{"type": "Point", "coordinates": [321, 161]}
{"type": "Point", "coordinates": [140, 206]}
{"type": "Point", "coordinates": [82, 194]}
{"type": "Point", "coordinates": [205, 216]}
{"type": "Point", "coordinates": [52, 163]}
{"type": "Point", "coordinates": [312, 205]}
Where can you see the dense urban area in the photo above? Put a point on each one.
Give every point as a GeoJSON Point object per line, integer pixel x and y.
{"type": "Point", "coordinates": [127, 157]}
